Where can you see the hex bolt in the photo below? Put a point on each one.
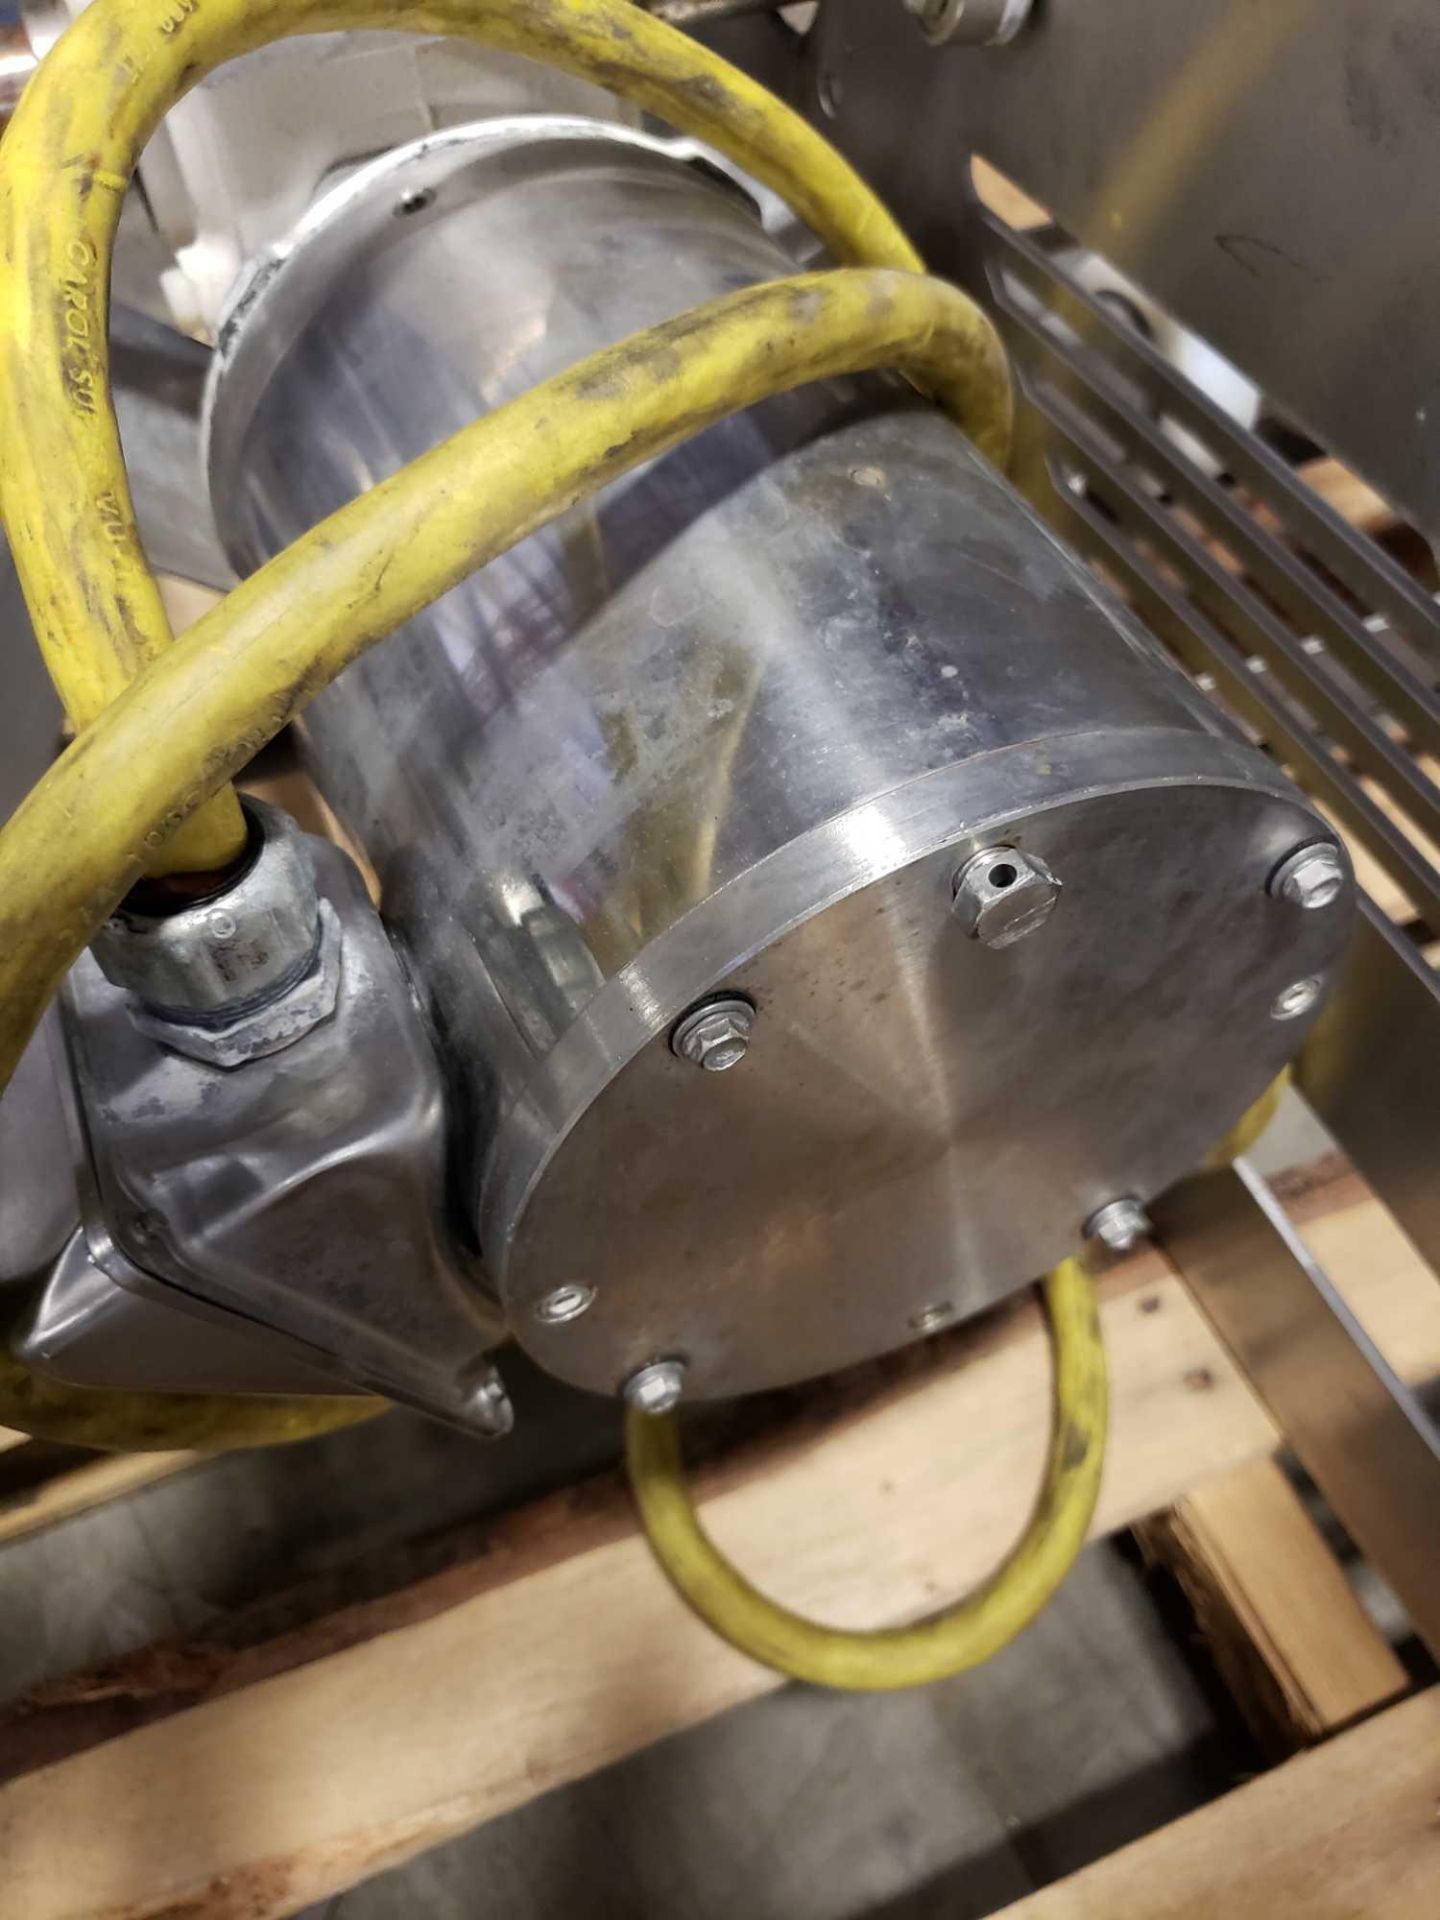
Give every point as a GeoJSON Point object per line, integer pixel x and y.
{"type": "Point", "coordinates": [1119, 1225]}
{"type": "Point", "coordinates": [487, 1406]}
{"type": "Point", "coordinates": [1002, 894]}
{"type": "Point", "coordinates": [564, 1303]}
{"type": "Point", "coordinates": [1311, 877]}
{"type": "Point", "coordinates": [656, 1388]}
{"type": "Point", "coordinates": [1299, 997]}
{"type": "Point", "coordinates": [715, 1035]}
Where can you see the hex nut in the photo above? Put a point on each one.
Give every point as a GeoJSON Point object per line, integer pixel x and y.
{"type": "Point", "coordinates": [657, 1388]}
{"type": "Point", "coordinates": [1312, 877]}
{"type": "Point", "coordinates": [277, 1022]}
{"type": "Point", "coordinates": [1002, 894]}
{"type": "Point", "coordinates": [715, 1035]}
{"type": "Point", "coordinates": [231, 952]}
{"type": "Point", "coordinates": [1119, 1225]}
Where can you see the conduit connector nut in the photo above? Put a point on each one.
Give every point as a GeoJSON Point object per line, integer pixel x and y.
{"type": "Point", "coordinates": [240, 974]}
{"type": "Point", "coordinates": [715, 1035]}
{"type": "Point", "coordinates": [1000, 895]}
{"type": "Point", "coordinates": [655, 1388]}
{"type": "Point", "coordinates": [1119, 1225]}
{"type": "Point", "coordinates": [1311, 877]}
{"type": "Point", "coordinates": [971, 23]}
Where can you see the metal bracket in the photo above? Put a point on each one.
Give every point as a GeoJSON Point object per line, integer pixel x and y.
{"type": "Point", "coordinates": [1353, 1424]}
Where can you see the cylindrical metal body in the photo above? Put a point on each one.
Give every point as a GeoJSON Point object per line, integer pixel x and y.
{"type": "Point", "coordinates": [734, 727]}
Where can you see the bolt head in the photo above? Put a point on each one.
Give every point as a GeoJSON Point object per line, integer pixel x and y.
{"type": "Point", "coordinates": [656, 1388]}
{"type": "Point", "coordinates": [1299, 997]}
{"type": "Point", "coordinates": [1119, 1225]}
{"type": "Point", "coordinates": [487, 1407]}
{"type": "Point", "coordinates": [564, 1303]}
{"type": "Point", "coordinates": [1311, 877]}
{"type": "Point", "coordinates": [1002, 895]}
{"type": "Point", "coordinates": [930, 1319]}
{"type": "Point", "coordinates": [715, 1036]}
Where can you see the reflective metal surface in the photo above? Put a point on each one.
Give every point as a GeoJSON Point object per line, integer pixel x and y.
{"type": "Point", "coordinates": [1253, 167]}
{"type": "Point", "coordinates": [305, 1190]}
{"type": "Point", "coordinates": [1349, 703]}
{"type": "Point", "coordinates": [87, 1329]}
{"type": "Point", "coordinates": [37, 1205]}
{"type": "Point", "coordinates": [1353, 1425]}
{"type": "Point", "coordinates": [37, 1193]}
{"type": "Point", "coordinates": [1371, 1070]}
{"type": "Point", "coordinates": [240, 947]}
{"type": "Point", "coordinates": [734, 727]}
{"type": "Point", "coordinates": [159, 378]}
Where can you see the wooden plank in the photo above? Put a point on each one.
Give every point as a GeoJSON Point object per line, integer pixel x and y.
{"type": "Point", "coordinates": [1375, 1266]}
{"type": "Point", "coordinates": [562, 1649]}
{"type": "Point", "coordinates": [1348, 495]}
{"type": "Point", "coordinates": [1296, 1650]}
{"type": "Point", "coordinates": [1348, 1829]}
{"type": "Point", "coordinates": [1002, 196]}
{"type": "Point", "coordinates": [560, 1660]}
{"type": "Point", "coordinates": [79, 1488]}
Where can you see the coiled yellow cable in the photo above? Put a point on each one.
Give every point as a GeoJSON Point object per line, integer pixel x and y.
{"type": "Point", "coordinates": [957, 1637]}
{"type": "Point", "coordinates": [113, 1421]}
{"type": "Point", "coordinates": [201, 709]}
{"type": "Point", "coordinates": [69, 154]}
{"type": "Point", "coordinates": [144, 784]}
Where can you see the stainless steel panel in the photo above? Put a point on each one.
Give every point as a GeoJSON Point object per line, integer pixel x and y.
{"type": "Point", "coordinates": [734, 724]}
{"type": "Point", "coordinates": [1371, 1069]}
{"type": "Point", "coordinates": [1285, 652]}
{"type": "Point", "coordinates": [1254, 167]}
{"type": "Point", "coordinates": [37, 1192]}
{"type": "Point", "coordinates": [1353, 1425]}
{"type": "Point", "coordinates": [159, 382]}
{"type": "Point", "coordinates": [37, 1202]}
{"type": "Point", "coordinates": [86, 1329]}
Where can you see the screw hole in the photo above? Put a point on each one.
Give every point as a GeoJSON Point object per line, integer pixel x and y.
{"type": "Point", "coordinates": [564, 1303]}
{"type": "Point", "coordinates": [415, 201]}
{"type": "Point", "coordinates": [1002, 876]}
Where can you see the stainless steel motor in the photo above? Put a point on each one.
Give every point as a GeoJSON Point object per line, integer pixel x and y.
{"type": "Point", "coordinates": [825, 900]}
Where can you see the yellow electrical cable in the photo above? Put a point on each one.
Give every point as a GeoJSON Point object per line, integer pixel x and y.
{"type": "Point", "coordinates": [69, 155]}
{"type": "Point", "coordinates": [947, 1642]}
{"type": "Point", "coordinates": [144, 784]}
{"type": "Point", "coordinates": [113, 1421]}
{"type": "Point", "coordinates": [970, 1631]}
{"type": "Point", "coordinates": [205, 705]}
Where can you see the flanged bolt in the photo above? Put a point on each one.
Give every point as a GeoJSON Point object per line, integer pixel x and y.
{"type": "Point", "coordinates": [656, 1388]}
{"type": "Point", "coordinates": [1310, 877]}
{"type": "Point", "coordinates": [1003, 894]}
{"type": "Point", "coordinates": [715, 1036]}
{"type": "Point", "coordinates": [1299, 997]}
{"type": "Point", "coordinates": [1119, 1225]}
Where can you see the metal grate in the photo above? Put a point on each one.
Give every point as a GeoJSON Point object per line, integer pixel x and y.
{"type": "Point", "coordinates": [1306, 630]}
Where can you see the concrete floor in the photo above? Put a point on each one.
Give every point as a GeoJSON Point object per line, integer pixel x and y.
{"type": "Point", "coordinates": [805, 1806]}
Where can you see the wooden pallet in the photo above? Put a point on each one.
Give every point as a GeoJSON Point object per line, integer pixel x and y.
{"type": "Point", "coordinates": [248, 1783]}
